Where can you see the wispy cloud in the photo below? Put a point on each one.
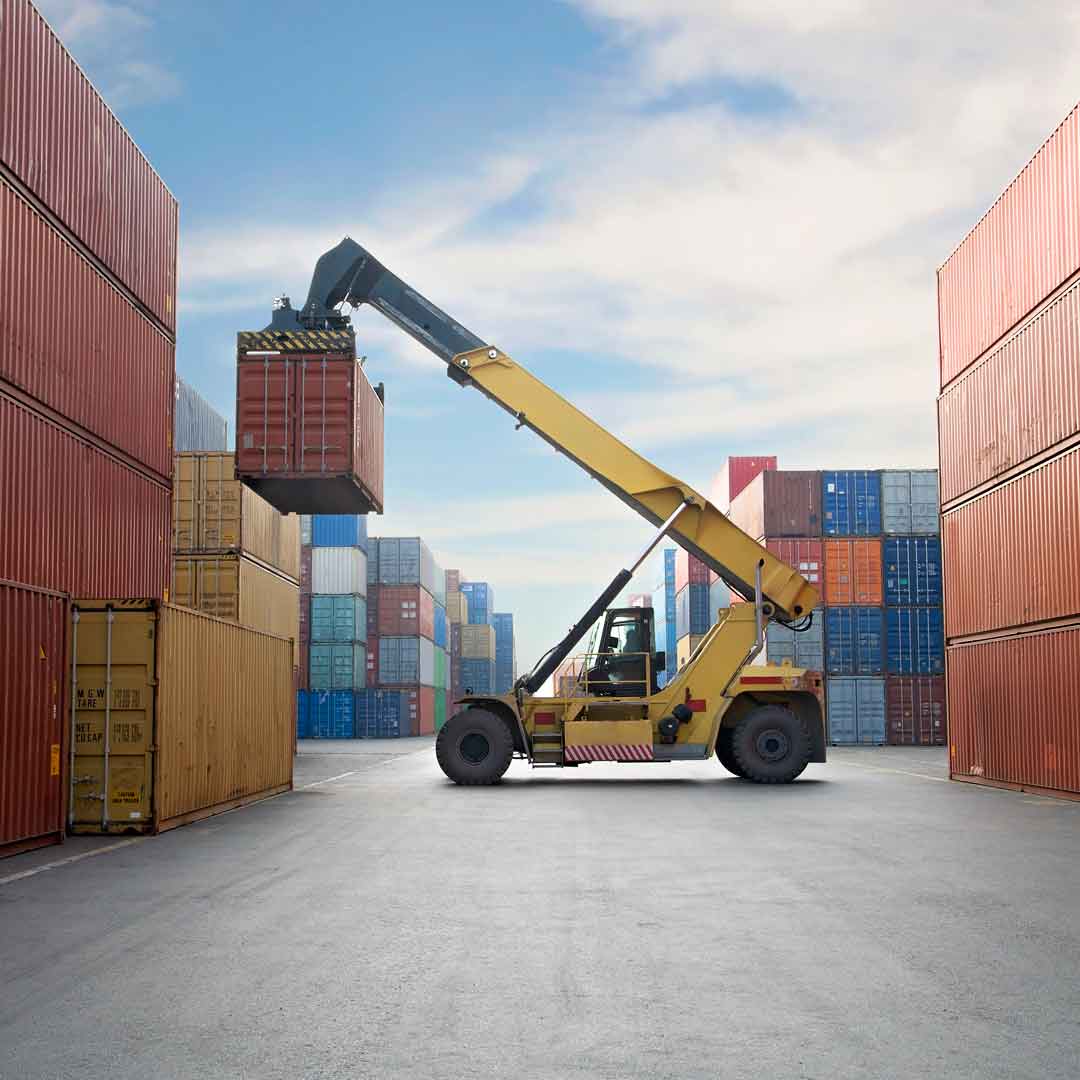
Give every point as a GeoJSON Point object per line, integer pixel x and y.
{"type": "Point", "coordinates": [112, 39]}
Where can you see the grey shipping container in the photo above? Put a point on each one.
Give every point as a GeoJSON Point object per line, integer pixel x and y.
{"type": "Point", "coordinates": [406, 661]}
{"type": "Point", "coordinates": [305, 533]}
{"type": "Point", "coordinates": [805, 650]}
{"type": "Point", "coordinates": [406, 560]}
{"type": "Point", "coordinates": [909, 502]}
{"type": "Point", "coordinates": [197, 425]}
{"type": "Point", "coordinates": [856, 710]}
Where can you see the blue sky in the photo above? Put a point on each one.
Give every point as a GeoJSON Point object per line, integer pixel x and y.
{"type": "Point", "coordinates": [713, 225]}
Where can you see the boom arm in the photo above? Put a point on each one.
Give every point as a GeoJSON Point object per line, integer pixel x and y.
{"type": "Point", "coordinates": [352, 275]}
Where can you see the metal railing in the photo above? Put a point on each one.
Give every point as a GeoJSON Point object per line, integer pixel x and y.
{"type": "Point", "coordinates": [586, 663]}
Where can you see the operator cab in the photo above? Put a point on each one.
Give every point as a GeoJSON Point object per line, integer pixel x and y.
{"type": "Point", "coordinates": [619, 667]}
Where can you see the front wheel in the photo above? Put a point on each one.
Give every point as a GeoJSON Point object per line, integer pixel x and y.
{"type": "Point", "coordinates": [474, 747]}
{"type": "Point", "coordinates": [770, 745]}
{"type": "Point", "coordinates": [724, 753]}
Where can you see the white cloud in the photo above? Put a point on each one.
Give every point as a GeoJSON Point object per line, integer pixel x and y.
{"type": "Point", "coordinates": [110, 40]}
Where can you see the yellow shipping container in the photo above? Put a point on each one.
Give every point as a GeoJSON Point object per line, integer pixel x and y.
{"type": "Point", "coordinates": [477, 642]}
{"type": "Point", "coordinates": [235, 588]}
{"type": "Point", "coordinates": [215, 513]}
{"type": "Point", "coordinates": [685, 647]}
{"type": "Point", "coordinates": [457, 607]}
{"type": "Point", "coordinates": [175, 716]}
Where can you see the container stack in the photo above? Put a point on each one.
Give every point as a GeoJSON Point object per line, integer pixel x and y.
{"type": "Point", "coordinates": [457, 615]}
{"type": "Point", "coordinates": [478, 638]}
{"type": "Point", "coordinates": [1009, 437]}
{"type": "Point", "coordinates": [699, 598]}
{"type": "Point", "coordinates": [197, 425]}
{"type": "Point", "coordinates": [505, 653]}
{"type": "Point", "coordinates": [867, 540]}
{"type": "Point", "coordinates": [335, 620]}
{"type": "Point", "coordinates": [87, 389]}
{"type": "Point", "coordinates": [234, 555]}
{"type": "Point", "coordinates": [664, 613]}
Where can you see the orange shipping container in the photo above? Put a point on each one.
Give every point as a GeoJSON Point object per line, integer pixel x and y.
{"type": "Point", "coordinates": [1012, 707]}
{"type": "Point", "coordinates": [853, 572]}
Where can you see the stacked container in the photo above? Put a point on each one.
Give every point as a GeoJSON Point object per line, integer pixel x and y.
{"type": "Point", "coordinates": [1009, 439]}
{"type": "Point", "coordinates": [337, 613]}
{"type": "Point", "coordinates": [867, 540]}
{"type": "Point", "coordinates": [457, 615]}
{"type": "Point", "coordinates": [505, 653]}
{"type": "Point", "coordinates": [664, 623]}
{"type": "Point", "coordinates": [197, 425]}
{"type": "Point", "coordinates": [87, 386]}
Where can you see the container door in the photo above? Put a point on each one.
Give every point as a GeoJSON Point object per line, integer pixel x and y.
{"type": "Point", "coordinates": [841, 711]}
{"type": "Point", "coordinates": [264, 408]}
{"type": "Point", "coordinates": [113, 720]}
{"type": "Point", "coordinates": [870, 711]}
{"type": "Point", "coordinates": [323, 432]}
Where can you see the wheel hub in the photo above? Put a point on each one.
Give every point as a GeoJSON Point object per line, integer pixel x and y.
{"type": "Point", "coordinates": [772, 745]}
{"type": "Point", "coordinates": [474, 747]}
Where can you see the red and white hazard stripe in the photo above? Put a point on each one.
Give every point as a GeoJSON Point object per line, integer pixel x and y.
{"type": "Point", "coordinates": [642, 752]}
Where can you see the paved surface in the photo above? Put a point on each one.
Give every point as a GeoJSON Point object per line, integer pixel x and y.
{"type": "Point", "coordinates": [615, 921]}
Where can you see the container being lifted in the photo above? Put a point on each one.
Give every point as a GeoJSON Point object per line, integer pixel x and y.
{"type": "Point", "coordinates": [309, 425]}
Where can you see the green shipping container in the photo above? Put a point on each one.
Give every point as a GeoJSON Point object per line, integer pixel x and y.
{"type": "Point", "coordinates": [440, 708]}
{"type": "Point", "coordinates": [440, 674]}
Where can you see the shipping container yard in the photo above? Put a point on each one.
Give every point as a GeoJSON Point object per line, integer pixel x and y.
{"type": "Point", "coordinates": [352, 729]}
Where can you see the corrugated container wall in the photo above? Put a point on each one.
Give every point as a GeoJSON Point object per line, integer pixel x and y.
{"type": "Point", "coordinates": [326, 714]}
{"type": "Point", "coordinates": [1013, 704]}
{"type": "Point", "coordinates": [1023, 248]}
{"type": "Point", "coordinates": [689, 570]}
{"type": "Point", "coordinates": [280, 400]}
{"type": "Point", "coordinates": [1023, 537]}
{"type": "Point", "coordinates": [338, 667]}
{"type": "Point", "coordinates": [734, 475]}
{"type": "Point", "coordinates": [915, 710]}
{"type": "Point", "coordinates": [478, 675]}
{"type": "Point", "coordinates": [851, 502]}
{"type": "Point", "coordinates": [854, 641]}
{"type": "Point", "coordinates": [692, 610]}
{"type": "Point", "coordinates": [909, 501]}
{"type": "Point", "coordinates": [480, 597]}
{"type": "Point", "coordinates": [779, 503]}
{"type": "Point", "coordinates": [853, 571]}
{"type": "Point", "coordinates": [381, 714]}
{"type": "Point", "coordinates": [103, 366]}
{"type": "Point", "coordinates": [33, 681]}
{"type": "Point", "coordinates": [405, 611]}
{"type": "Point", "coordinates": [338, 570]}
{"type": "Point", "coordinates": [339, 530]}
{"type": "Point", "coordinates": [73, 518]}
{"type": "Point", "coordinates": [915, 641]}
{"type": "Point", "coordinates": [806, 556]}
{"type": "Point", "coordinates": [477, 642]}
{"type": "Point", "coordinates": [338, 618]}
{"type": "Point", "coordinates": [912, 566]}
{"type": "Point", "coordinates": [804, 649]}
{"type": "Point", "coordinates": [197, 425]}
{"type": "Point", "coordinates": [59, 138]}
{"type": "Point", "coordinates": [856, 711]}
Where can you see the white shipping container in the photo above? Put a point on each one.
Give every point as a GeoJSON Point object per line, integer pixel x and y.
{"type": "Point", "coordinates": [305, 530]}
{"type": "Point", "coordinates": [909, 502]}
{"type": "Point", "coordinates": [338, 570]}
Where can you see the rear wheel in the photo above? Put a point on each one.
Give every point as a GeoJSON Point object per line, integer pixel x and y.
{"type": "Point", "coordinates": [474, 747]}
{"type": "Point", "coordinates": [724, 753]}
{"type": "Point", "coordinates": [770, 745]}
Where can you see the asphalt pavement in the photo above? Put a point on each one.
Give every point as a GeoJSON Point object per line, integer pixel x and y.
{"type": "Point", "coordinates": [615, 921]}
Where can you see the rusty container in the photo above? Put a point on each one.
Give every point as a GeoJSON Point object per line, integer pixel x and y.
{"type": "Point", "coordinates": [1010, 557]}
{"type": "Point", "coordinates": [1018, 404]}
{"type": "Point", "coordinates": [853, 572]}
{"type": "Point", "coordinates": [33, 685]}
{"type": "Point", "coordinates": [405, 611]}
{"type": "Point", "coordinates": [62, 144]}
{"type": "Point", "coordinates": [309, 425]}
{"type": "Point", "coordinates": [1024, 247]}
{"type": "Point", "coordinates": [1013, 703]}
{"type": "Point", "coordinates": [97, 361]}
{"type": "Point", "coordinates": [915, 710]}
{"type": "Point", "coordinates": [806, 556]}
{"type": "Point", "coordinates": [177, 716]}
{"type": "Point", "coordinates": [74, 518]}
{"type": "Point", "coordinates": [213, 513]}
{"type": "Point", "coordinates": [779, 503]}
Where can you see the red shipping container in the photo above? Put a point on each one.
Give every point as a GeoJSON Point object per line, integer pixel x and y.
{"type": "Point", "coordinates": [97, 361]}
{"type": "Point", "coordinates": [372, 661]}
{"type": "Point", "coordinates": [1021, 401]}
{"type": "Point", "coordinates": [1024, 247]}
{"type": "Point", "coordinates": [735, 474]}
{"type": "Point", "coordinates": [915, 710]}
{"type": "Point", "coordinates": [806, 556]}
{"type": "Point", "coordinates": [61, 141]}
{"type": "Point", "coordinates": [405, 611]}
{"type": "Point", "coordinates": [1013, 703]}
{"type": "Point", "coordinates": [309, 427]}
{"type": "Point", "coordinates": [1010, 556]}
{"type": "Point", "coordinates": [779, 503]}
{"type": "Point", "coordinates": [33, 681]}
{"type": "Point", "coordinates": [689, 570]}
{"type": "Point", "coordinates": [75, 519]}
{"type": "Point", "coordinates": [420, 708]}
{"type": "Point", "coordinates": [305, 569]}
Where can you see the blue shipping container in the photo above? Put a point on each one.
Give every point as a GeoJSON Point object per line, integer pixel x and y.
{"type": "Point", "coordinates": [338, 618]}
{"type": "Point", "coordinates": [478, 676]}
{"type": "Point", "coordinates": [338, 667]}
{"type": "Point", "coordinates": [399, 661]}
{"type": "Point", "coordinates": [854, 641]}
{"type": "Point", "coordinates": [480, 598]}
{"type": "Point", "coordinates": [692, 610]}
{"type": "Point", "coordinates": [851, 502]}
{"type": "Point", "coordinates": [381, 714]}
{"type": "Point", "coordinates": [339, 530]}
{"type": "Point", "coordinates": [441, 626]}
{"type": "Point", "coordinates": [327, 714]}
{"type": "Point", "coordinates": [664, 615]}
{"type": "Point", "coordinates": [912, 571]}
{"type": "Point", "coordinates": [302, 714]}
{"type": "Point", "coordinates": [504, 676]}
{"type": "Point", "coordinates": [915, 641]}
{"type": "Point", "coordinates": [805, 649]}
{"type": "Point", "coordinates": [856, 711]}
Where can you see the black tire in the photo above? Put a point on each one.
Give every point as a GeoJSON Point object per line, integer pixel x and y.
{"type": "Point", "coordinates": [770, 745]}
{"type": "Point", "coordinates": [474, 747]}
{"type": "Point", "coordinates": [724, 752]}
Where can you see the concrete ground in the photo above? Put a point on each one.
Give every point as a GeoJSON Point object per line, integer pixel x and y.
{"type": "Point", "coordinates": [872, 920]}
